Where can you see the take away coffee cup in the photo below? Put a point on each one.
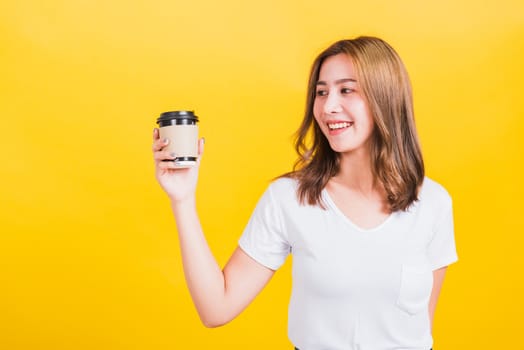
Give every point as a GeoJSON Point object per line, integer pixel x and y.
{"type": "Point", "coordinates": [181, 129]}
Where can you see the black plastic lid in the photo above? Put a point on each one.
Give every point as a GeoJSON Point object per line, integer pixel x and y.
{"type": "Point", "coordinates": [177, 117]}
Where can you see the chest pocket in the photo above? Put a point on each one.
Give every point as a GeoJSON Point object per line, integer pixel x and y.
{"type": "Point", "coordinates": [416, 283]}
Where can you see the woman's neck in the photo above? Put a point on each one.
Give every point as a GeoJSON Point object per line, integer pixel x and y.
{"type": "Point", "coordinates": [356, 193]}
{"type": "Point", "coordinates": [355, 172]}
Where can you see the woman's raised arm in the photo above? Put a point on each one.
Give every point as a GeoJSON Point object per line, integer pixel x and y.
{"type": "Point", "coordinates": [218, 295]}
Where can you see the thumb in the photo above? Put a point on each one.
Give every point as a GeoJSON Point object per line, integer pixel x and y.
{"type": "Point", "coordinates": [201, 143]}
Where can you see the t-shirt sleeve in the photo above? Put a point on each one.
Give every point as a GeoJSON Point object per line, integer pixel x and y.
{"type": "Point", "coordinates": [264, 238]}
{"type": "Point", "coordinates": [441, 249]}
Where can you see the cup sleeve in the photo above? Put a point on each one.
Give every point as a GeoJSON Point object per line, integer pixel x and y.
{"type": "Point", "coordinates": [264, 238]}
{"type": "Point", "coordinates": [442, 248]}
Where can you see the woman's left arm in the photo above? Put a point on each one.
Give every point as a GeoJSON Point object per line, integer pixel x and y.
{"type": "Point", "coordinates": [438, 278]}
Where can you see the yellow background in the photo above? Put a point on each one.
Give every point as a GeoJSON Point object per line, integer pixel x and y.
{"type": "Point", "coordinates": [88, 250]}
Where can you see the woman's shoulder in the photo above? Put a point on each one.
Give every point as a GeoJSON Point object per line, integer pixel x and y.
{"type": "Point", "coordinates": [283, 185]}
{"type": "Point", "coordinates": [282, 191]}
{"type": "Point", "coordinates": [433, 193]}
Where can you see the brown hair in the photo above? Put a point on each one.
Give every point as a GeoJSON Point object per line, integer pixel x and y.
{"type": "Point", "coordinates": [395, 152]}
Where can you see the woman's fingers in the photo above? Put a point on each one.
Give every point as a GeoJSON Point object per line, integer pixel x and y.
{"type": "Point", "coordinates": [201, 143]}
{"type": "Point", "coordinates": [160, 155]}
{"type": "Point", "coordinates": [166, 165]}
{"type": "Point", "coordinates": [158, 144]}
{"type": "Point", "coordinates": [163, 155]}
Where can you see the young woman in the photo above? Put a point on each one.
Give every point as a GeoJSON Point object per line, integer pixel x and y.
{"type": "Point", "coordinates": [370, 235]}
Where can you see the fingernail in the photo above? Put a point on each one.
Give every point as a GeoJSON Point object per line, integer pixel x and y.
{"type": "Point", "coordinates": [173, 154]}
{"type": "Point", "coordinates": [166, 141]}
{"type": "Point", "coordinates": [203, 140]}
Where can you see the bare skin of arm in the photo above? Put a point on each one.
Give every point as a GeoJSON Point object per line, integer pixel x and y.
{"type": "Point", "coordinates": [438, 279]}
{"type": "Point", "coordinates": [219, 295]}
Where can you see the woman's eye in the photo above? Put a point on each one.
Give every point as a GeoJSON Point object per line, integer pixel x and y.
{"type": "Point", "coordinates": [321, 92]}
{"type": "Point", "coordinates": [346, 90]}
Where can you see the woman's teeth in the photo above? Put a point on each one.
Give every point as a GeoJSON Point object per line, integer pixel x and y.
{"type": "Point", "coordinates": [341, 125]}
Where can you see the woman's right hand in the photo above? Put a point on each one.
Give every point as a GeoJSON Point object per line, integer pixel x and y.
{"type": "Point", "coordinates": [178, 183]}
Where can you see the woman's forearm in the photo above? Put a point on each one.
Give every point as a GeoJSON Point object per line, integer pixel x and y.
{"type": "Point", "coordinates": [205, 279]}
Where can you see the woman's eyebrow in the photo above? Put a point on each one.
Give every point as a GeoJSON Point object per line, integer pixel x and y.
{"type": "Point", "coordinates": [338, 81]}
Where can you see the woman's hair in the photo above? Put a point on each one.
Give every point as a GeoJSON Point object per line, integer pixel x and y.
{"type": "Point", "coordinates": [396, 159]}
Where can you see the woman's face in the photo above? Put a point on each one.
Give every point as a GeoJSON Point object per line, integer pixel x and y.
{"type": "Point", "coordinates": [340, 108]}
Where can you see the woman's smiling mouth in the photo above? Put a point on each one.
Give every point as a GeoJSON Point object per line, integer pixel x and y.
{"type": "Point", "coordinates": [332, 126]}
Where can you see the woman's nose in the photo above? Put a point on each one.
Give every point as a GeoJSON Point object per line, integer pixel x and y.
{"type": "Point", "coordinates": [332, 104]}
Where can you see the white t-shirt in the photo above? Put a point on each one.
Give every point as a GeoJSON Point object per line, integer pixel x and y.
{"type": "Point", "coordinates": [354, 288]}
